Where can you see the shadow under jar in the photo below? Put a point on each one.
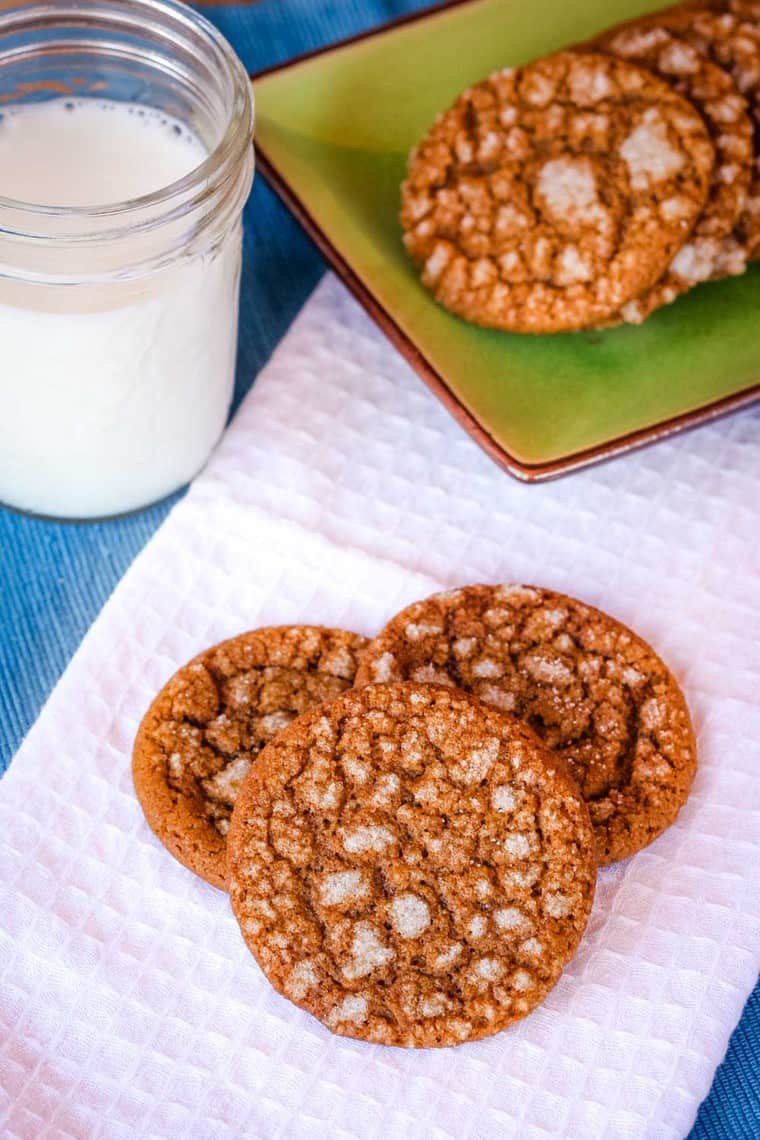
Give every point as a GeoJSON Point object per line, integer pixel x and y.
{"type": "Point", "coordinates": [126, 158]}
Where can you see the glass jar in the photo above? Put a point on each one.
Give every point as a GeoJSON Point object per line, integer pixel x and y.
{"type": "Point", "coordinates": [118, 322]}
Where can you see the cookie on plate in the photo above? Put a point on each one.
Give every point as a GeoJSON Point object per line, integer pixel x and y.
{"type": "Point", "coordinates": [712, 250]}
{"type": "Point", "coordinates": [597, 694]}
{"type": "Point", "coordinates": [549, 196]}
{"type": "Point", "coordinates": [410, 866]}
{"type": "Point", "coordinates": [728, 33]}
{"type": "Point", "coordinates": [211, 720]}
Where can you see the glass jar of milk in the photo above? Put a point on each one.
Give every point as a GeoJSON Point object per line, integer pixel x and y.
{"type": "Point", "coordinates": [125, 161]}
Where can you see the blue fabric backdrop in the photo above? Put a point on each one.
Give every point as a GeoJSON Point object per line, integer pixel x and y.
{"type": "Point", "coordinates": [55, 578]}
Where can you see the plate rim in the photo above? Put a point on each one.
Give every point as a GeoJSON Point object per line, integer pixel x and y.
{"type": "Point", "coordinates": [404, 343]}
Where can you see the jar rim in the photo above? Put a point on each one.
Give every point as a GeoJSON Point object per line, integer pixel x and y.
{"type": "Point", "coordinates": [219, 166]}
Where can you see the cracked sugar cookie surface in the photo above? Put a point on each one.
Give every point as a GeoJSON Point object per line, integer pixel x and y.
{"type": "Point", "coordinates": [728, 33]}
{"type": "Point", "coordinates": [712, 249]}
{"type": "Point", "coordinates": [410, 866]}
{"type": "Point", "coordinates": [549, 196]}
{"type": "Point", "coordinates": [208, 724]}
{"type": "Point", "coordinates": [597, 694]}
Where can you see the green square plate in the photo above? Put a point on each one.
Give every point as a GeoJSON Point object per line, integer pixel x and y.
{"type": "Point", "coordinates": [333, 133]}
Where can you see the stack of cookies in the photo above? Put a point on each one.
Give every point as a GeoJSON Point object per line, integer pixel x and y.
{"type": "Point", "coordinates": [410, 827]}
{"type": "Point", "coordinates": [596, 185]}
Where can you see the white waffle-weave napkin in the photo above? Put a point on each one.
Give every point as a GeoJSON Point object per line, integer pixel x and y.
{"type": "Point", "coordinates": [129, 1006]}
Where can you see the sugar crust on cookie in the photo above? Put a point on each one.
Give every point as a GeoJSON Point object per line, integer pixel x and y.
{"type": "Point", "coordinates": [202, 732]}
{"type": "Point", "coordinates": [410, 866]}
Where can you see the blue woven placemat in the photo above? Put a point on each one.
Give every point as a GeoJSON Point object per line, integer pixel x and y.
{"type": "Point", "coordinates": [54, 578]}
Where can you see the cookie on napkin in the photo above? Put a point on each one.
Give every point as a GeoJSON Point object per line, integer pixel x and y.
{"type": "Point", "coordinates": [596, 693]}
{"type": "Point", "coordinates": [211, 720]}
{"type": "Point", "coordinates": [411, 867]}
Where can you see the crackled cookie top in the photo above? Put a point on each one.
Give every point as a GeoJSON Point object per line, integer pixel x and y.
{"type": "Point", "coordinates": [210, 721]}
{"type": "Point", "coordinates": [712, 249]}
{"type": "Point", "coordinates": [730, 37]}
{"type": "Point", "coordinates": [594, 692]}
{"type": "Point", "coordinates": [549, 196]}
{"type": "Point", "coordinates": [410, 866]}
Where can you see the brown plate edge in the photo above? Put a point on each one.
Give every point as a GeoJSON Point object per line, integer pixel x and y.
{"type": "Point", "coordinates": [525, 472]}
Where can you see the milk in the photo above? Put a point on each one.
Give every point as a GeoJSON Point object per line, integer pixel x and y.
{"type": "Point", "coordinates": [111, 395]}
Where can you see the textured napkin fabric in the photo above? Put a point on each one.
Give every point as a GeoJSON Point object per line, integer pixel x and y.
{"type": "Point", "coordinates": [129, 1006]}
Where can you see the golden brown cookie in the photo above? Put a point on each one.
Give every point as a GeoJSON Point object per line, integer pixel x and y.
{"type": "Point", "coordinates": [728, 33]}
{"type": "Point", "coordinates": [712, 250]}
{"type": "Point", "coordinates": [410, 866]}
{"type": "Point", "coordinates": [210, 721]}
{"type": "Point", "coordinates": [597, 694]}
{"type": "Point", "coordinates": [549, 196]}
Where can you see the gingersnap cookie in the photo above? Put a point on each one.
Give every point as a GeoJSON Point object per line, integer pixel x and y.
{"type": "Point", "coordinates": [210, 721]}
{"type": "Point", "coordinates": [597, 694]}
{"type": "Point", "coordinates": [730, 37]}
{"type": "Point", "coordinates": [712, 250]}
{"type": "Point", "coordinates": [549, 196]}
{"type": "Point", "coordinates": [410, 866]}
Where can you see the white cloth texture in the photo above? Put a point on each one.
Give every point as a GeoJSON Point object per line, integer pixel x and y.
{"type": "Point", "coordinates": [129, 1004]}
